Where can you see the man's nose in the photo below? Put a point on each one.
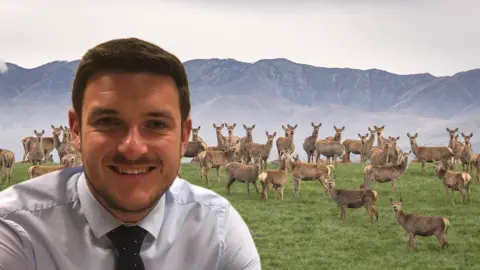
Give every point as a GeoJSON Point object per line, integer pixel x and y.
{"type": "Point", "coordinates": [133, 145]}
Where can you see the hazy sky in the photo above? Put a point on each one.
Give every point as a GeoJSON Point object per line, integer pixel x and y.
{"type": "Point", "coordinates": [401, 36]}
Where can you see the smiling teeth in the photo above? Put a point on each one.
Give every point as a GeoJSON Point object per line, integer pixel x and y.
{"type": "Point", "coordinates": [131, 171]}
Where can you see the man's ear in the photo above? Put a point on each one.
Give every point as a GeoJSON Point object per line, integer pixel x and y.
{"type": "Point", "coordinates": [186, 130]}
{"type": "Point", "coordinates": [74, 123]}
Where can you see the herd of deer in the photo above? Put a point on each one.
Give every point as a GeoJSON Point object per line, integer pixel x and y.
{"type": "Point", "coordinates": [246, 161]}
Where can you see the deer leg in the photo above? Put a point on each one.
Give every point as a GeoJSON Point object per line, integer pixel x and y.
{"type": "Point", "coordinates": [281, 191]}
{"type": "Point", "coordinates": [344, 213]}
{"type": "Point", "coordinates": [248, 186]}
{"type": "Point", "coordinates": [369, 211]}
{"type": "Point", "coordinates": [296, 186]}
{"type": "Point", "coordinates": [218, 173]}
{"type": "Point", "coordinates": [230, 182]}
{"type": "Point", "coordinates": [412, 241]}
{"type": "Point", "coordinates": [453, 198]}
{"type": "Point", "coordinates": [460, 190]}
{"type": "Point", "coordinates": [423, 166]}
{"type": "Point", "coordinates": [255, 185]}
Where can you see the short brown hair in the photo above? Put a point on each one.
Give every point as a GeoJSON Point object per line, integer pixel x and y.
{"type": "Point", "coordinates": [130, 55]}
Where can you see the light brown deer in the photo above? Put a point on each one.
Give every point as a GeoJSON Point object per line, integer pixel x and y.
{"type": "Point", "coordinates": [274, 178]}
{"type": "Point", "coordinates": [385, 173]}
{"type": "Point", "coordinates": [353, 198]}
{"type": "Point", "coordinates": [287, 142]}
{"type": "Point", "coordinates": [260, 152]}
{"type": "Point", "coordinates": [455, 181]}
{"type": "Point", "coordinates": [48, 146]}
{"type": "Point", "coordinates": [465, 155]}
{"type": "Point", "coordinates": [429, 153]}
{"type": "Point", "coordinates": [379, 155]}
{"type": "Point", "coordinates": [243, 173]}
{"type": "Point", "coordinates": [363, 141]}
{"type": "Point", "coordinates": [394, 152]}
{"type": "Point", "coordinates": [309, 142]}
{"type": "Point", "coordinates": [330, 149]}
{"type": "Point", "coordinates": [36, 150]}
{"type": "Point", "coordinates": [454, 144]}
{"type": "Point", "coordinates": [242, 154]}
{"type": "Point", "coordinates": [353, 147]}
{"type": "Point", "coordinates": [38, 170]}
{"type": "Point", "coordinates": [476, 166]}
{"type": "Point", "coordinates": [71, 160]}
{"type": "Point", "coordinates": [221, 140]}
{"type": "Point", "coordinates": [304, 171]}
{"type": "Point", "coordinates": [7, 162]}
{"type": "Point", "coordinates": [230, 129]}
{"type": "Point", "coordinates": [338, 134]}
{"type": "Point", "coordinates": [57, 143]}
{"type": "Point", "coordinates": [416, 224]}
{"type": "Point", "coordinates": [194, 148]}
{"type": "Point", "coordinates": [367, 146]}
{"type": "Point", "coordinates": [195, 136]}
{"type": "Point", "coordinates": [380, 138]}
{"type": "Point", "coordinates": [216, 159]}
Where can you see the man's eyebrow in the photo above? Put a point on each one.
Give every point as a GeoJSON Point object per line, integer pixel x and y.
{"type": "Point", "coordinates": [159, 114]}
{"type": "Point", "coordinates": [96, 112]}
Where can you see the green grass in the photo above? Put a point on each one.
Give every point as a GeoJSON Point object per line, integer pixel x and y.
{"type": "Point", "coordinates": [307, 233]}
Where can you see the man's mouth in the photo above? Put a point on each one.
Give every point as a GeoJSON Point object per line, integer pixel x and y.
{"type": "Point", "coordinates": [131, 171]}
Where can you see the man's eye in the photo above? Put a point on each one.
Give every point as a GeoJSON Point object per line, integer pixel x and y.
{"type": "Point", "coordinates": [107, 122]}
{"type": "Point", "coordinates": [155, 125]}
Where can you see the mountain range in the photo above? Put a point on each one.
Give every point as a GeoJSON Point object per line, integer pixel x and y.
{"type": "Point", "coordinates": [269, 93]}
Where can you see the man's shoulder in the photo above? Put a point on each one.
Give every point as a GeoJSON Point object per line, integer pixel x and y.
{"type": "Point", "coordinates": [48, 190]}
{"type": "Point", "coordinates": [184, 192]}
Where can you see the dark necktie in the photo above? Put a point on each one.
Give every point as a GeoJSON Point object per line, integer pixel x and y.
{"type": "Point", "coordinates": [128, 241]}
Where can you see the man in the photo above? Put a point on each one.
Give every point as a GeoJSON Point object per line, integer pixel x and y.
{"type": "Point", "coordinates": [125, 208]}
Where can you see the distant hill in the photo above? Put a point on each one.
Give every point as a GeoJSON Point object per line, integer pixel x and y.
{"type": "Point", "coordinates": [269, 92]}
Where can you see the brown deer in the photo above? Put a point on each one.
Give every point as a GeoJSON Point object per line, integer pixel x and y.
{"type": "Point", "coordinates": [195, 136]}
{"type": "Point", "coordinates": [36, 151]}
{"type": "Point", "coordinates": [465, 155]}
{"type": "Point", "coordinates": [7, 162]}
{"type": "Point", "coordinates": [385, 173]}
{"type": "Point", "coordinates": [353, 147]}
{"type": "Point", "coordinates": [233, 138]}
{"type": "Point", "coordinates": [287, 142]}
{"type": "Point", "coordinates": [429, 153]}
{"type": "Point", "coordinates": [309, 142]}
{"type": "Point", "coordinates": [48, 146]}
{"type": "Point", "coordinates": [454, 144]}
{"type": "Point", "coordinates": [338, 134]}
{"type": "Point", "coordinates": [353, 198]}
{"type": "Point", "coordinates": [216, 159]}
{"type": "Point", "coordinates": [367, 146]}
{"type": "Point", "coordinates": [242, 152]}
{"type": "Point", "coordinates": [243, 173]}
{"type": "Point", "coordinates": [455, 181]}
{"type": "Point", "coordinates": [330, 149]}
{"type": "Point", "coordinates": [380, 138]}
{"type": "Point", "coordinates": [260, 152]}
{"type": "Point", "coordinates": [38, 170]}
{"type": "Point", "coordinates": [379, 155]}
{"type": "Point", "coordinates": [305, 171]}
{"type": "Point", "coordinates": [221, 140]}
{"type": "Point", "coordinates": [274, 178]}
{"type": "Point", "coordinates": [71, 160]}
{"type": "Point", "coordinates": [415, 224]}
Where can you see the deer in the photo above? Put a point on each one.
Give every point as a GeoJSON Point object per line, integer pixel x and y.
{"type": "Point", "coordinates": [221, 140]}
{"type": "Point", "coordinates": [71, 160]}
{"type": "Point", "coordinates": [380, 138]}
{"type": "Point", "coordinates": [393, 151]}
{"type": "Point", "coordinates": [380, 155]}
{"type": "Point", "coordinates": [353, 198]}
{"type": "Point", "coordinates": [353, 147]}
{"type": "Point", "coordinates": [305, 171]}
{"type": "Point", "coordinates": [429, 153]}
{"type": "Point", "coordinates": [465, 154]}
{"type": "Point", "coordinates": [36, 151]}
{"type": "Point", "coordinates": [7, 162]}
{"type": "Point", "coordinates": [233, 138]}
{"type": "Point", "coordinates": [454, 144]}
{"type": "Point", "coordinates": [195, 136]}
{"type": "Point", "coordinates": [476, 166]}
{"type": "Point", "coordinates": [194, 148]}
{"type": "Point", "coordinates": [330, 149]}
{"type": "Point", "coordinates": [367, 145]}
{"type": "Point", "coordinates": [38, 170]}
{"type": "Point", "coordinates": [216, 159]}
{"type": "Point", "coordinates": [57, 143]}
{"type": "Point", "coordinates": [260, 151]}
{"type": "Point", "coordinates": [287, 142]}
{"type": "Point", "coordinates": [48, 146]}
{"type": "Point", "coordinates": [385, 173]}
{"type": "Point", "coordinates": [416, 224]}
{"type": "Point", "coordinates": [274, 178]}
{"type": "Point", "coordinates": [242, 152]}
{"type": "Point", "coordinates": [243, 173]}
{"type": "Point", "coordinates": [309, 142]}
{"type": "Point", "coordinates": [455, 181]}
{"type": "Point", "coordinates": [338, 134]}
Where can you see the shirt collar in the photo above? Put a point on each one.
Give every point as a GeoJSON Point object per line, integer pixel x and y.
{"type": "Point", "coordinates": [101, 221]}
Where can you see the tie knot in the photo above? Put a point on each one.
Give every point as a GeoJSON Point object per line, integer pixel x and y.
{"type": "Point", "coordinates": [127, 239]}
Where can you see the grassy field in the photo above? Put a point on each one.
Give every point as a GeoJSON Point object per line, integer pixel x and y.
{"type": "Point", "coordinates": [307, 233]}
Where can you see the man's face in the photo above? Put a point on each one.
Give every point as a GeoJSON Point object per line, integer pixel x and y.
{"type": "Point", "coordinates": [130, 138]}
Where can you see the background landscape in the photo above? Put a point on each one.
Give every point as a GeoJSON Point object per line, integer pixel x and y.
{"type": "Point", "coordinates": [269, 93]}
